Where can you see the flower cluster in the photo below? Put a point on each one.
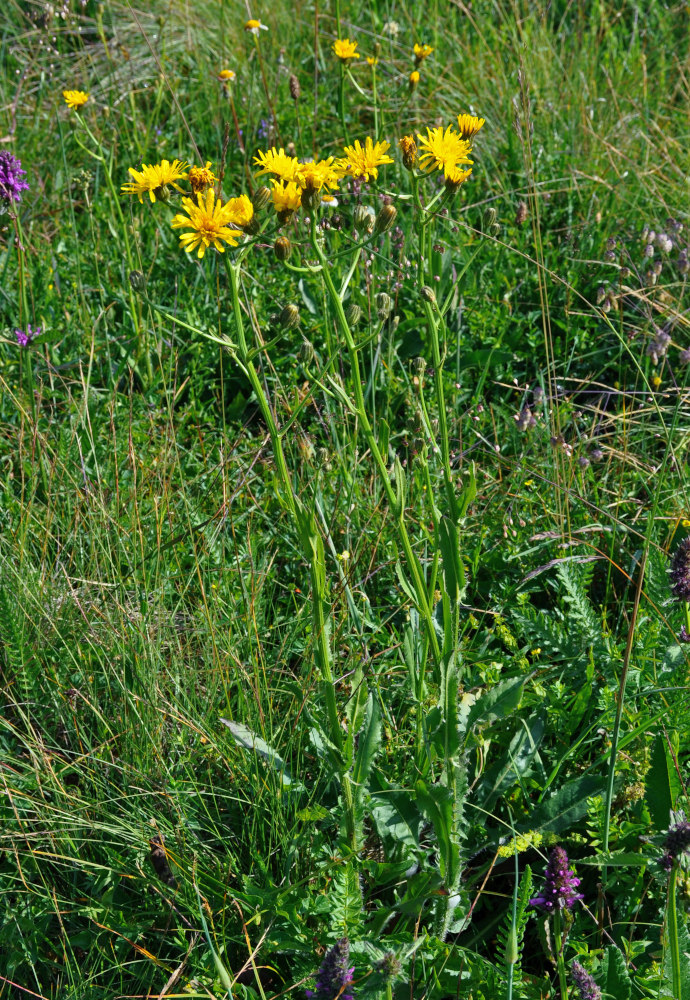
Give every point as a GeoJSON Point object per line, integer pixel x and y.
{"type": "Point", "coordinates": [680, 571]}
{"type": "Point", "coordinates": [11, 178]}
{"type": "Point", "coordinates": [584, 983]}
{"type": "Point", "coordinates": [24, 339]}
{"type": "Point", "coordinates": [559, 884]}
{"type": "Point", "coordinates": [677, 840]}
{"type": "Point", "coordinates": [334, 976]}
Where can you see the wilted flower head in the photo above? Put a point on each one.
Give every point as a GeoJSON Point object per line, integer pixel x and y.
{"type": "Point", "coordinates": [334, 976]}
{"type": "Point", "coordinates": [24, 339]}
{"type": "Point", "coordinates": [584, 983]}
{"type": "Point", "coordinates": [680, 571]}
{"type": "Point", "coordinates": [201, 177]}
{"type": "Point", "coordinates": [559, 884]}
{"type": "Point", "coordinates": [11, 174]}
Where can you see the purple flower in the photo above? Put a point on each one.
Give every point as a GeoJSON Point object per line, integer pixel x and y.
{"type": "Point", "coordinates": [11, 173]}
{"type": "Point", "coordinates": [678, 835]}
{"type": "Point", "coordinates": [559, 885]}
{"type": "Point", "coordinates": [584, 983]}
{"type": "Point", "coordinates": [24, 339]}
{"type": "Point", "coordinates": [680, 571]}
{"type": "Point", "coordinates": [334, 974]}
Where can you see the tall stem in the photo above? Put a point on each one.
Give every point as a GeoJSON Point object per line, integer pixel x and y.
{"type": "Point", "coordinates": [672, 930]}
{"type": "Point", "coordinates": [559, 946]}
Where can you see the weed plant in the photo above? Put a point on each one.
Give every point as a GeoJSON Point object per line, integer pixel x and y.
{"type": "Point", "coordinates": [336, 623]}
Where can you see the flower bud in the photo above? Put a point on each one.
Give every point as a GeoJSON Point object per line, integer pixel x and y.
{"type": "Point", "coordinates": [306, 351]}
{"type": "Point", "coordinates": [384, 305]}
{"type": "Point", "coordinates": [310, 197]}
{"type": "Point", "coordinates": [385, 219]}
{"type": "Point", "coordinates": [253, 226]}
{"type": "Point", "coordinates": [282, 247]}
{"type": "Point", "coordinates": [261, 198]}
{"type": "Point", "coordinates": [137, 281]}
{"type": "Point", "coordinates": [408, 148]}
{"type": "Point", "coordinates": [490, 216]}
{"type": "Point", "coordinates": [288, 317]}
{"type": "Point", "coordinates": [353, 314]}
{"type": "Point", "coordinates": [419, 366]}
{"type": "Point", "coordinates": [363, 219]}
{"type": "Point", "coordinates": [429, 295]}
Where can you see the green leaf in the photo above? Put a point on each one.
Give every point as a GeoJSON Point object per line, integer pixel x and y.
{"type": "Point", "coordinates": [566, 806]}
{"type": "Point", "coordinates": [662, 784]}
{"type": "Point", "coordinates": [615, 981]}
{"type": "Point", "coordinates": [498, 702]}
{"type": "Point", "coordinates": [369, 740]}
{"type": "Point", "coordinates": [250, 741]}
{"type": "Point", "coordinates": [436, 802]}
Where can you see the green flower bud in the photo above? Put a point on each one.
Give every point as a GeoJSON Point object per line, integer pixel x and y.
{"type": "Point", "coordinates": [137, 280]}
{"type": "Point", "coordinates": [282, 247]}
{"type": "Point", "coordinates": [261, 198]}
{"type": "Point", "coordinates": [353, 314]}
{"type": "Point", "coordinates": [385, 219]}
{"type": "Point", "coordinates": [429, 295]}
{"type": "Point", "coordinates": [363, 219]}
{"type": "Point", "coordinates": [384, 305]}
{"type": "Point", "coordinates": [289, 317]}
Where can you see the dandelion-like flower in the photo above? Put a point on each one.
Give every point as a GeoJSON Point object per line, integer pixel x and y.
{"type": "Point", "coordinates": [559, 884]}
{"type": "Point", "coordinates": [334, 976]}
{"type": "Point", "coordinates": [154, 178]}
{"type": "Point", "coordinates": [421, 52]}
{"type": "Point", "coordinates": [11, 178]}
{"type": "Point", "coordinates": [208, 220]}
{"type": "Point", "coordinates": [254, 26]}
{"type": "Point", "coordinates": [441, 150]}
{"type": "Point", "coordinates": [372, 60]}
{"type": "Point", "coordinates": [314, 176]}
{"type": "Point", "coordinates": [239, 211]}
{"type": "Point", "coordinates": [287, 198]}
{"type": "Point", "coordinates": [469, 125]}
{"type": "Point", "coordinates": [24, 339]}
{"type": "Point", "coordinates": [201, 177]}
{"type": "Point", "coordinates": [276, 161]}
{"type": "Point", "coordinates": [456, 177]}
{"type": "Point", "coordinates": [364, 161]}
{"type": "Point", "coordinates": [680, 571]}
{"type": "Point", "coordinates": [414, 78]}
{"type": "Point", "coordinates": [345, 49]}
{"type": "Point", "coordinates": [227, 75]}
{"type": "Point", "coordinates": [584, 983]}
{"type": "Point", "coordinates": [75, 99]}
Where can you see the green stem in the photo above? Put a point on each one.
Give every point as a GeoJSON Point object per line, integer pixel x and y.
{"type": "Point", "coordinates": [672, 927]}
{"type": "Point", "coordinates": [434, 320]}
{"type": "Point", "coordinates": [412, 563]}
{"type": "Point", "coordinates": [376, 103]}
{"type": "Point", "coordinates": [559, 946]}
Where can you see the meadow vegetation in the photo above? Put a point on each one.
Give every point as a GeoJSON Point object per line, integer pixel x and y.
{"type": "Point", "coordinates": [344, 586]}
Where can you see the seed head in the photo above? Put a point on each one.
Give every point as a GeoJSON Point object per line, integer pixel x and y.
{"type": "Point", "coordinates": [295, 89]}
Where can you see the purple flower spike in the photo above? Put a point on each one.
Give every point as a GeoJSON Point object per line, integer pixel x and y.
{"type": "Point", "coordinates": [334, 975]}
{"type": "Point", "coordinates": [11, 173]}
{"type": "Point", "coordinates": [677, 836]}
{"type": "Point", "coordinates": [680, 571]}
{"type": "Point", "coordinates": [24, 339]}
{"type": "Point", "coordinates": [584, 983]}
{"type": "Point", "coordinates": [559, 885]}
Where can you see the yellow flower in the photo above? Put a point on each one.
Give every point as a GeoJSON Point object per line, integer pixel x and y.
{"type": "Point", "coordinates": [227, 75]}
{"type": "Point", "coordinates": [422, 51]}
{"type": "Point", "coordinates": [372, 60]}
{"type": "Point", "coordinates": [286, 197]}
{"type": "Point", "coordinates": [208, 221]}
{"type": "Point", "coordinates": [276, 161]}
{"type": "Point", "coordinates": [154, 178]}
{"type": "Point", "coordinates": [238, 211]}
{"type": "Point", "coordinates": [74, 99]}
{"type": "Point", "coordinates": [201, 177]}
{"type": "Point", "coordinates": [363, 161]}
{"type": "Point", "coordinates": [469, 125]}
{"type": "Point", "coordinates": [456, 177]}
{"type": "Point", "coordinates": [345, 49]}
{"type": "Point", "coordinates": [408, 148]}
{"type": "Point", "coordinates": [414, 78]}
{"type": "Point", "coordinates": [686, 523]}
{"type": "Point", "coordinates": [314, 176]}
{"type": "Point", "coordinates": [443, 150]}
{"type": "Point", "coordinates": [255, 26]}
{"type": "Point", "coordinates": [656, 381]}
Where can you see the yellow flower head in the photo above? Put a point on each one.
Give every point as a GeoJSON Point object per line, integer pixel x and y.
{"type": "Point", "coordinates": [364, 161]}
{"type": "Point", "coordinates": [155, 178]}
{"type": "Point", "coordinates": [255, 26]}
{"type": "Point", "coordinates": [345, 49]}
{"type": "Point", "coordinates": [456, 177]}
{"type": "Point", "coordinates": [469, 125]}
{"type": "Point", "coordinates": [227, 75]}
{"type": "Point", "coordinates": [408, 148]}
{"type": "Point", "coordinates": [208, 221]}
{"type": "Point", "coordinates": [414, 78]}
{"type": "Point", "coordinates": [277, 162]}
{"type": "Point", "coordinates": [238, 211]}
{"type": "Point", "coordinates": [372, 60]}
{"type": "Point", "coordinates": [74, 99]}
{"type": "Point", "coordinates": [422, 51]}
{"type": "Point", "coordinates": [443, 150]}
{"type": "Point", "coordinates": [201, 177]}
{"type": "Point", "coordinates": [287, 198]}
{"type": "Point", "coordinates": [314, 176]}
